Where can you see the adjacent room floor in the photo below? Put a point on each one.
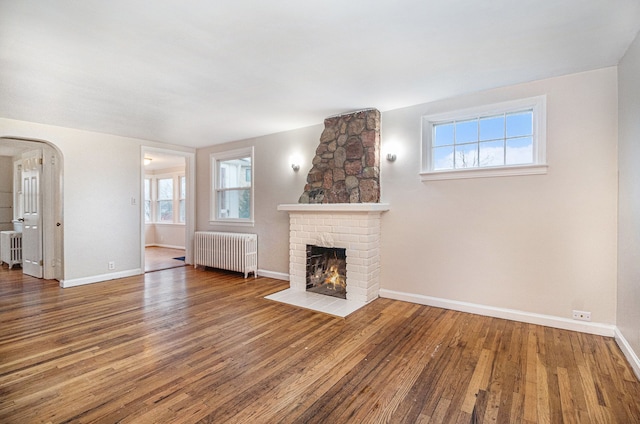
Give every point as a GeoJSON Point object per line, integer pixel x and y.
{"type": "Point", "coordinates": [158, 258]}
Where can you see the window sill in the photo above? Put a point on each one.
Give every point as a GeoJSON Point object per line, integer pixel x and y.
{"type": "Point", "coordinates": [506, 171]}
{"type": "Point", "coordinates": [233, 223]}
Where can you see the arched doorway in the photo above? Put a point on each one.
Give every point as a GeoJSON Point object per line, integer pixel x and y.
{"type": "Point", "coordinates": [51, 244]}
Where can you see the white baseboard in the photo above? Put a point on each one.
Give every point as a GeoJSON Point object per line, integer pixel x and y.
{"type": "Point", "coordinates": [273, 274]}
{"type": "Point", "coordinates": [168, 246]}
{"type": "Point", "coordinates": [510, 314]}
{"type": "Point", "coordinates": [99, 278]}
{"type": "Point", "coordinates": [631, 356]}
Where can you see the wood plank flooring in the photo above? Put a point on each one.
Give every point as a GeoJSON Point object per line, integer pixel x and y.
{"type": "Point", "coordinates": [204, 346]}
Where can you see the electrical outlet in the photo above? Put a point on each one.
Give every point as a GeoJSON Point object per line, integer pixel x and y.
{"type": "Point", "coordinates": [582, 315]}
{"type": "Point", "coordinates": [112, 265]}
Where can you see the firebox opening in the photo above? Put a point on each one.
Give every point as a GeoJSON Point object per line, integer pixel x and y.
{"type": "Point", "coordinates": [327, 271]}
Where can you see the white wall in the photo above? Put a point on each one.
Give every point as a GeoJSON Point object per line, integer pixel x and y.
{"type": "Point", "coordinates": [628, 313]}
{"type": "Point", "coordinates": [542, 244]}
{"type": "Point", "coordinates": [6, 193]}
{"type": "Point", "coordinates": [149, 234]}
{"type": "Point", "coordinates": [102, 173]}
{"type": "Point", "coordinates": [275, 183]}
{"type": "Point", "coordinates": [165, 235]}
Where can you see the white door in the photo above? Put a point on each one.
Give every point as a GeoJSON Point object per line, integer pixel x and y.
{"type": "Point", "coordinates": [32, 228]}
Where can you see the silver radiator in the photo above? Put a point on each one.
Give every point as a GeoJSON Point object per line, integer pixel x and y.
{"type": "Point", "coordinates": [230, 251]}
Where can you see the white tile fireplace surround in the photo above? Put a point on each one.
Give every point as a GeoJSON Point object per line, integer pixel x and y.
{"type": "Point", "coordinates": [351, 226]}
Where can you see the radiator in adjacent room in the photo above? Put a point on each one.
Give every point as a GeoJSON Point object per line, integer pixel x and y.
{"type": "Point", "coordinates": [229, 251]}
{"type": "Point", "coordinates": [10, 248]}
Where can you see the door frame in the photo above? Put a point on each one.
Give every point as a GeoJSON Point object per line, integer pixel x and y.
{"type": "Point", "coordinates": [52, 190]}
{"type": "Point", "coordinates": [190, 209]}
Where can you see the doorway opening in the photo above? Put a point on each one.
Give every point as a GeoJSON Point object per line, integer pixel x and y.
{"type": "Point", "coordinates": [34, 201]}
{"type": "Point", "coordinates": [167, 210]}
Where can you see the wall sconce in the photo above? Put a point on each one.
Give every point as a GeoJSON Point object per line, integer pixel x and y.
{"type": "Point", "coordinates": [391, 157]}
{"type": "Point", "coordinates": [147, 161]}
{"type": "Point", "coordinates": [295, 159]}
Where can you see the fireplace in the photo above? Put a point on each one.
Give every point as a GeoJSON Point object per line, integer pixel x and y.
{"type": "Point", "coordinates": [353, 228]}
{"type": "Point", "coordinates": [334, 229]}
{"type": "Point", "coordinates": [327, 271]}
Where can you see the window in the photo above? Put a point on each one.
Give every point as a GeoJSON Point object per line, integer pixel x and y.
{"type": "Point", "coordinates": [165, 199]}
{"type": "Point", "coordinates": [495, 140]}
{"type": "Point", "coordinates": [232, 182]}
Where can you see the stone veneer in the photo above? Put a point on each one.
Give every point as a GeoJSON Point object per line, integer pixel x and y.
{"type": "Point", "coordinates": [346, 166]}
{"type": "Point", "coordinates": [353, 227]}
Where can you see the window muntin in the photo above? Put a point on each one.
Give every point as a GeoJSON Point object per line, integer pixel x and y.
{"type": "Point", "coordinates": [232, 182]}
{"type": "Point", "coordinates": [494, 140]}
{"type": "Point", "coordinates": [498, 140]}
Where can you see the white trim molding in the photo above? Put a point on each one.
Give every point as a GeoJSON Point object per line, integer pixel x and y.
{"type": "Point", "coordinates": [273, 274]}
{"type": "Point", "coordinates": [628, 352]}
{"type": "Point", "coordinates": [168, 246]}
{"type": "Point", "coordinates": [510, 314]}
{"type": "Point", "coordinates": [99, 278]}
{"type": "Point", "coordinates": [334, 207]}
{"type": "Point", "coordinates": [502, 171]}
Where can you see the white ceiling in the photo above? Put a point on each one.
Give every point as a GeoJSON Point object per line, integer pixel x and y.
{"type": "Point", "coordinates": [160, 161]}
{"type": "Point", "coordinates": [198, 73]}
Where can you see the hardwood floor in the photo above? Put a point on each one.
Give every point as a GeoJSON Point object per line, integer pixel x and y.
{"type": "Point", "coordinates": [158, 258]}
{"type": "Point", "coordinates": [190, 345]}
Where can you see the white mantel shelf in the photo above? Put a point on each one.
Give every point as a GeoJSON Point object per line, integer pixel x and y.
{"type": "Point", "coordinates": [334, 207]}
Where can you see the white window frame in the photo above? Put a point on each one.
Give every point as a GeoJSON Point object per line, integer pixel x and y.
{"type": "Point", "coordinates": [152, 208]}
{"type": "Point", "coordinates": [182, 197]}
{"type": "Point", "coordinates": [172, 200]}
{"type": "Point", "coordinates": [215, 159]}
{"type": "Point", "coordinates": [539, 165]}
{"type": "Point", "coordinates": [153, 178]}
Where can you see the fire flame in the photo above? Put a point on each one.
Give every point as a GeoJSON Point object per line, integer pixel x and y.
{"type": "Point", "coordinates": [334, 278]}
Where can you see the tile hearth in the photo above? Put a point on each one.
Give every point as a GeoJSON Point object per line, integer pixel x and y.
{"type": "Point", "coordinates": [317, 302]}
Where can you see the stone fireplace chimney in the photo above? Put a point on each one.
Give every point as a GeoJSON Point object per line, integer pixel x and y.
{"type": "Point", "coordinates": [346, 167]}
